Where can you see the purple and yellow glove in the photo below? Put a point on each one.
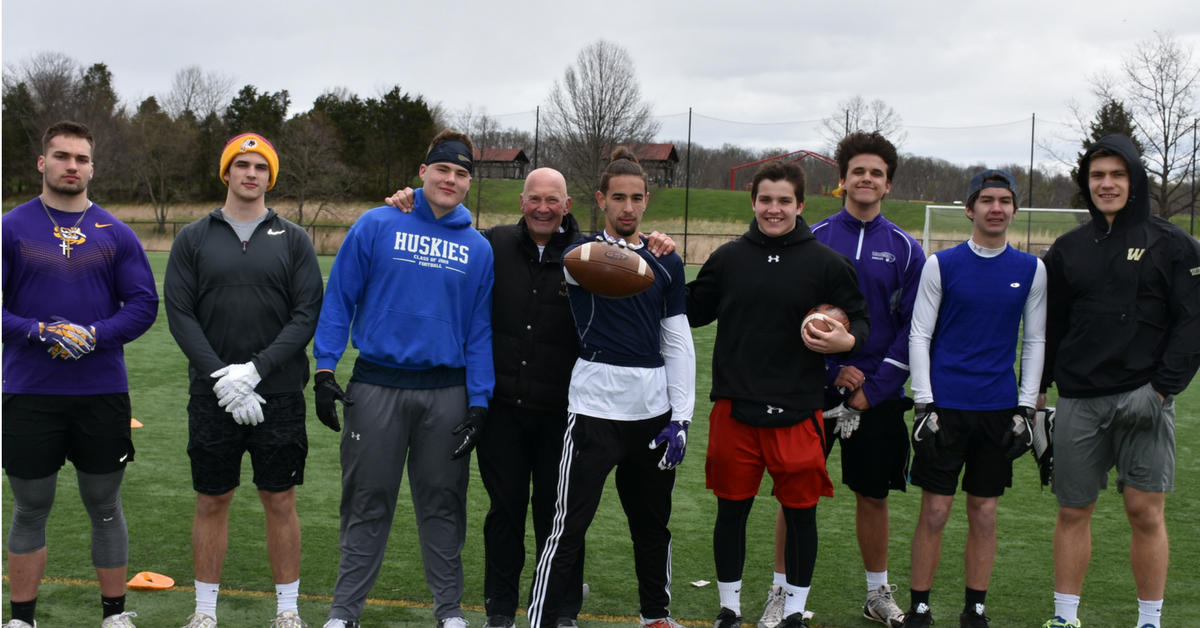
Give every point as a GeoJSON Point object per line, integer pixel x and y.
{"type": "Point", "coordinates": [65, 339]}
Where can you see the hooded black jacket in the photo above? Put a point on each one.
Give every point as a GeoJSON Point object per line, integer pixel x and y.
{"type": "Point", "coordinates": [534, 341]}
{"type": "Point", "coordinates": [759, 289]}
{"type": "Point", "coordinates": [1123, 301]}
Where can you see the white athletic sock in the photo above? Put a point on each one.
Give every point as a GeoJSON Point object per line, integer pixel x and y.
{"type": "Point", "coordinates": [876, 579]}
{"type": "Point", "coordinates": [1149, 612]}
{"type": "Point", "coordinates": [1066, 606]}
{"type": "Point", "coordinates": [287, 596]}
{"type": "Point", "coordinates": [731, 596]}
{"type": "Point", "coordinates": [206, 598]}
{"type": "Point", "coordinates": [780, 580]}
{"type": "Point", "coordinates": [796, 598]}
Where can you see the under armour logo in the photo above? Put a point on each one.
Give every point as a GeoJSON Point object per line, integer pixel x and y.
{"type": "Point", "coordinates": [774, 410]}
{"type": "Point", "coordinates": [355, 436]}
{"type": "Point", "coordinates": [772, 258]}
{"type": "Point", "coordinates": [1135, 254]}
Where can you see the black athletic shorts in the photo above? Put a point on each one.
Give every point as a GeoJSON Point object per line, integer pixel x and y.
{"type": "Point", "coordinates": [875, 457]}
{"type": "Point", "coordinates": [278, 446]}
{"type": "Point", "coordinates": [41, 432]}
{"type": "Point", "coordinates": [975, 440]}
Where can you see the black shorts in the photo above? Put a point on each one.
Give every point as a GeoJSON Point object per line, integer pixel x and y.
{"type": "Point", "coordinates": [875, 457]}
{"type": "Point", "coordinates": [975, 439]}
{"type": "Point", "coordinates": [278, 446]}
{"type": "Point", "coordinates": [41, 432]}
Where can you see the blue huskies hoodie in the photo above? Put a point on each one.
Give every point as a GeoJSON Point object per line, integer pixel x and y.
{"type": "Point", "coordinates": [415, 295]}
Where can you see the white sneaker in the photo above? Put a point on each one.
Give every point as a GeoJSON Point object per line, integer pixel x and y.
{"type": "Point", "coordinates": [881, 607]}
{"type": "Point", "coordinates": [288, 619]}
{"type": "Point", "coordinates": [341, 623]}
{"type": "Point", "coordinates": [119, 621]}
{"type": "Point", "coordinates": [773, 610]}
{"type": "Point", "coordinates": [665, 622]}
{"type": "Point", "coordinates": [453, 622]}
{"type": "Point", "coordinates": [200, 620]}
{"type": "Point", "coordinates": [16, 623]}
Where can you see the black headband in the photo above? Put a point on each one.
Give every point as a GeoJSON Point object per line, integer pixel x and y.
{"type": "Point", "coordinates": [454, 152]}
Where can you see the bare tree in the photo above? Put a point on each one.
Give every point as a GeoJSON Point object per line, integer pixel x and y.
{"type": "Point", "coordinates": [857, 114]}
{"type": "Point", "coordinates": [596, 106]}
{"type": "Point", "coordinates": [157, 142]}
{"type": "Point", "coordinates": [1160, 79]}
{"type": "Point", "coordinates": [198, 91]}
{"type": "Point", "coordinates": [310, 172]}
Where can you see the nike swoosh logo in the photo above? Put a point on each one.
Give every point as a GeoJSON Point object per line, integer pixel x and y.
{"type": "Point", "coordinates": [280, 232]}
{"type": "Point", "coordinates": [123, 458]}
{"type": "Point", "coordinates": [100, 226]}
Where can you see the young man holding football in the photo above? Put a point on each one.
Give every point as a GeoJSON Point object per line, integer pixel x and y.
{"type": "Point", "coordinates": [768, 374]}
{"type": "Point", "coordinates": [864, 393]}
{"type": "Point", "coordinates": [970, 410]}
{"type": "Point", "coordinates": [630, 404]}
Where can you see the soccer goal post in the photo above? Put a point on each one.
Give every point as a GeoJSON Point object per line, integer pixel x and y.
{"type": "Point", "coordinates": [1032, 230]}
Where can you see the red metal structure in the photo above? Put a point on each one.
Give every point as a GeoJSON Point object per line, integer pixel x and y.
{"type": "Point", "coordinates": [802, 154]}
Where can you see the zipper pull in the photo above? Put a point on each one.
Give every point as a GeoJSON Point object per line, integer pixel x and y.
{"type": "Point", "coordinates": [244, 243]}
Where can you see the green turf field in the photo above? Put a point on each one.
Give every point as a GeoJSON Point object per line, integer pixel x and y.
{"type": "Point", "coordinates": [158, 502]}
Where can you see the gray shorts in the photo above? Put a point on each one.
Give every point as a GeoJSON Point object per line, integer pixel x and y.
{"type": "Point", "coordinates": [1132, 430]}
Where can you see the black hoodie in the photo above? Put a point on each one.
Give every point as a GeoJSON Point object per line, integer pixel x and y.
{"type": "Point", "coordinates": [1123, 301]}
{"type": "Point", "coordinates": [759, 289]}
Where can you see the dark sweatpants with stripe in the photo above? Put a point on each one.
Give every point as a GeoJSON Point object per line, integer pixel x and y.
{"type": "Point", "coordinates": [592, 447]}
{"type": "Point", "coordinates": [385, 427]}
{"type": "Point", "coordinates": [519, 445]}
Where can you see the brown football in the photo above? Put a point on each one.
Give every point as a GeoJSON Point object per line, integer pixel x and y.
{"type": "Point", "coordinates": [824, 316]}
{"type": "Point", "coordinates": [608, 270]}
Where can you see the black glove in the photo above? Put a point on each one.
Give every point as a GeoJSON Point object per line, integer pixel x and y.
{"type": "Point", "coordinates": [1020, 439]}
{"type": "Point", "coordinates": [470, 427]}
{"type": "Point", "coordinates": [328, 392]}
{"type": "Point", "coordinates": [927, 435]}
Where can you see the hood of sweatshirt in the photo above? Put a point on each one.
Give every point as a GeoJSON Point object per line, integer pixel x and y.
{"type": "Point", "coordinates": [1137, 208]}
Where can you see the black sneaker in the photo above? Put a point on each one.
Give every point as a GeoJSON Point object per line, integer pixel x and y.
{"type": "Point", "coordinates": [973, 618]}
{"type": "Point", "coordinates": [499, 621]}
{"type": "Point", "coordinates": [728, 619]}
{"type": "Point", "coordinates": [565, 622]}
{"type": "Point", "coordinates": [795, 620]}
{"type": "Point", "coordinates": [918, 617]}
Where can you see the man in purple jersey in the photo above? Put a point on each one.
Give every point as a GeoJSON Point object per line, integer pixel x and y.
{"type": "Point", "coordinates": [77, 288]}
{"type": "Point", "coordinates": [864, 393]}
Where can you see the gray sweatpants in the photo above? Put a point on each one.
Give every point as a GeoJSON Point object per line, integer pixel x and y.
{"type": "Point", "coordinates": [384, 427]}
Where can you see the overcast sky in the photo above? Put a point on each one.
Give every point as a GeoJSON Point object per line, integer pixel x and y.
{"type": "Point", "coordinates": [964, 76]}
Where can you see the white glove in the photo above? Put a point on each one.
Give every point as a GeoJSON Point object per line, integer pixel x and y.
{"type": "Point", "coordinates": [848, 419]}
{"type": "Point", "coordinates": [246, 409]}
{"type": "Point", "coordinates": [236, 380]}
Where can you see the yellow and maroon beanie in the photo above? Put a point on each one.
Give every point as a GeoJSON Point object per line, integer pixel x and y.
{"type": "Point", "coordinates": [250, 143]}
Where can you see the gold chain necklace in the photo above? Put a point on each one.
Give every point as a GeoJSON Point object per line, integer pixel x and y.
{"type": "Point", "coordinates": [70, 237]}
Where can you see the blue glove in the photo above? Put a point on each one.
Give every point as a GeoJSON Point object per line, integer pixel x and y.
{"type": "Point", "coordinates": [65, 339]}
{"type": "Point", "coordinates": [675, 436]}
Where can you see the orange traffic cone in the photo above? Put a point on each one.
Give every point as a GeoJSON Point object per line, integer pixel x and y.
{"type": "Point", "coordinates": [150, 581]}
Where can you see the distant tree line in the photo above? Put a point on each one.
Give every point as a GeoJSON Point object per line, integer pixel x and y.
{"type": "Point", "coordinates": [165, 149]}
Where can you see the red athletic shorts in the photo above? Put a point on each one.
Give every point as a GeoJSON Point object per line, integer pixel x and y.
{"type": "Point", "coordinates": [738, 454]}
